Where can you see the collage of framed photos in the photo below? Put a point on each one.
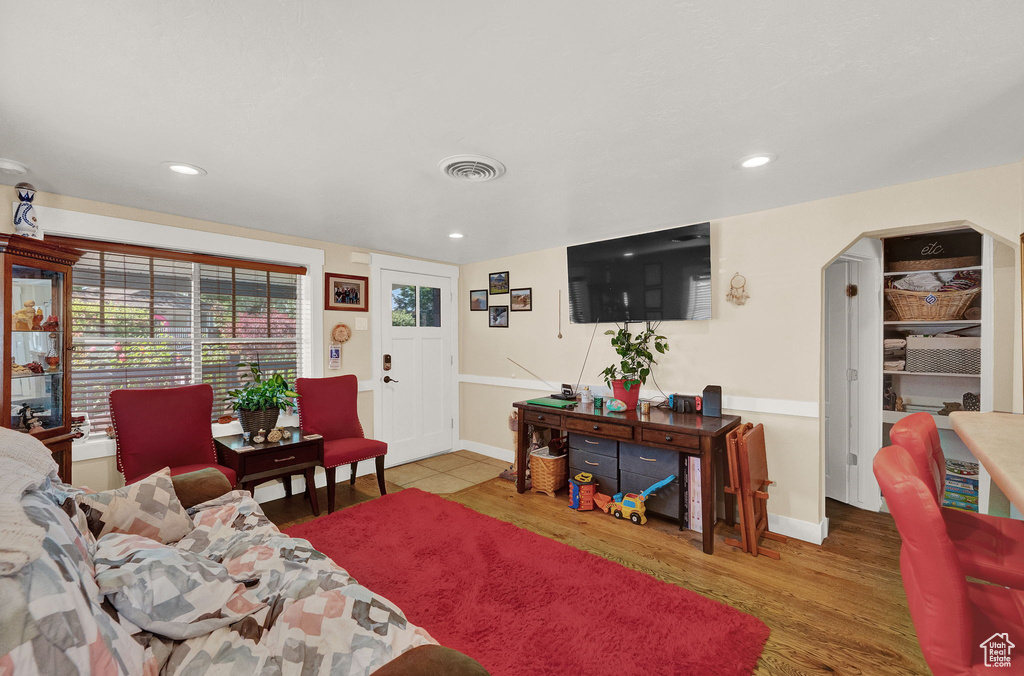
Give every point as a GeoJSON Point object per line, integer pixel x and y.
{"type": "Point", "coordinates": [519, 300]}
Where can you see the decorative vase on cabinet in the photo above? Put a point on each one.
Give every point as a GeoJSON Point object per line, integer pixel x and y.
{"type": "Point", "coordinates": [37, 342]}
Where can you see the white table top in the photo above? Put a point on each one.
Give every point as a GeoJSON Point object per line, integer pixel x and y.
{"type": "Point", "coordinates": [997, 441]}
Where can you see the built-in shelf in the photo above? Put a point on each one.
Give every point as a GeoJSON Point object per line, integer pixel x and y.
{"type": "Point", "coordinates": [941, 421]}
{"type": "Point", "coordinates": [914, 272]}
{"type": "Point", "coordinates": [940, 375]}
{"type": "Point", "coordinates": [19, 376]}
{"type": "Point", "coordinates": [940, 322]}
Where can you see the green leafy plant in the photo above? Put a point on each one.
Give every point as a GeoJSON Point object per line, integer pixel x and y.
{"type": "Point", "coordinates": [262, 392]}
{"type": "Point", "coordinates": [635, 355]}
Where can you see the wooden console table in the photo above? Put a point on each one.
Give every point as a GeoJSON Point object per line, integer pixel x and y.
{"type": "Point", "coordinates": [686, 433]}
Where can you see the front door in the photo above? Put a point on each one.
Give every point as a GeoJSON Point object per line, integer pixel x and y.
{"type": "Point", "coordinates": [417, 365]}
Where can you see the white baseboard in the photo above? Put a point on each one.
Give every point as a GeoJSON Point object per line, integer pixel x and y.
{"type": "Point", "coordinates": [490, 451]}
{"type": "Point", "coordinates": [815, 533]}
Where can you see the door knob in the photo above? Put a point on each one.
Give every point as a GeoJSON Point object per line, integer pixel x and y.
{"type": "Point", "coordinates": [389, 379]}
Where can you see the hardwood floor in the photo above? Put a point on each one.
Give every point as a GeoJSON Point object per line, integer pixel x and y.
{"type": "Point", "coordinates": [836, 609]}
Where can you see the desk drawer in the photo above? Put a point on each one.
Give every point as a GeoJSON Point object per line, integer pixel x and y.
{"type": "Point", "coordinates": [648, 461]}
{"type": "Point", "coordinates": [594, 444]}
{"type": "Point", "coordinates": [585, 461]}
{"type": "Point", "coordinates": [600, 428]}
{"type": "Point", "coordinates": [279, 459]}
{"type": "Point", "coordinates": [671, 438]}
{"type": "Point", "coordinates": [549, 419]}
{"type": "Point", "coordinates": [664, 501]}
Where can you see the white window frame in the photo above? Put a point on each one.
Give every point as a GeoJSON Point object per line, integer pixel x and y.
{"type": "Point", "coordinates": [110, 229]}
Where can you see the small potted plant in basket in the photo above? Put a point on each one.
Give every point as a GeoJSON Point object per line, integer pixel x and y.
{"type": "Point", "coordinates": [259, 402]}
{"type": "Point", "coordinates": [635, 362]}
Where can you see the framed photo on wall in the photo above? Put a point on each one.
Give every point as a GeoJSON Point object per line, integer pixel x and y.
{"type": "Point", "coordinates": [521, 300]}
{"type": "Point", "coordinates": [497, 316]}
{"type": "Point", "coordinates": [346, 292]}
{"type": "Point", "coordinates": [498, 283]}
{"type": "Point", "coordinates": [478, 300]}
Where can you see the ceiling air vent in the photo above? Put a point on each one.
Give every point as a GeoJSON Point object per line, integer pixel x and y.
{"type": "Point", "coordinates": [473, 168]}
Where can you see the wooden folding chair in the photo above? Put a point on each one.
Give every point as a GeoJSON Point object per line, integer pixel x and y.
{"type": "Point", "coordinates": [754, 482]}
{"type": "Point", "coordinates": [733, 486]}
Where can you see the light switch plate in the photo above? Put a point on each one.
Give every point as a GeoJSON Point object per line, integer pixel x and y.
{"type": "Point", "coordinates": [362, 324]}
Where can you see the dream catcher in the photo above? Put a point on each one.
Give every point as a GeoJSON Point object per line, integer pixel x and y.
{"type": "Point", "coordinates": [737, 290]}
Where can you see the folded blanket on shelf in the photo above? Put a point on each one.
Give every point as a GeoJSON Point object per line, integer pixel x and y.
{"type": "Point", "coordinates": [894, 343]}
{"type": "Point", "coordinates": [896, 365]}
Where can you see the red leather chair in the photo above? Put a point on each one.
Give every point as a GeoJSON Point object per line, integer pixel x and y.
{"type": "Point", "coordinates": [327, 406]}
{"type": "Point", "coordinates": [952, 616]}
{"type": "Point", "coordinates": [164, 427]}
{"type": "Point", "coordinates": [990, 547]}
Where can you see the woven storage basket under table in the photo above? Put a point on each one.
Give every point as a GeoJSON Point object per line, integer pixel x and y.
{"type": "Point", "coordinates": [548, 473]}
{"type": "Point", "coordinates": [926, 264]}
{"type": "Point", "coordinates": [930, 305]}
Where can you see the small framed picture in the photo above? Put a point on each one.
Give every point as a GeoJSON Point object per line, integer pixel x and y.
{"type": "Point", "coordinates": [346, 292]}
{"type": "Point", "coordinates": [498, 316]}
{"type": "Point", "coordinates": [478, 300]}
{"type": "Point", "coordinates": [521, 300]}
{"type": "Point", "coordinates": [498, 283]}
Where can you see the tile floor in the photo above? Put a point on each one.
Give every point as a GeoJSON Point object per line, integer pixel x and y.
{"type": "Point", "coordinates": [446, 473]}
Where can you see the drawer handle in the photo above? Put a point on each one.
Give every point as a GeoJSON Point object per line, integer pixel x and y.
{"type": "Point", "coordinates": [594, 464]}
{"type": "Point", "coordinates": [597, 427]}
{"type": "Point", "coordinates": [647, 459]}
{"type": "Point", "coordinates": [290, 457]}
{"type": "Point", "coordinates": [592, 442]}
{"type": "Point", "coordinates": [668, 437]}
{"type": "Point", "coordinates": [540, 417]}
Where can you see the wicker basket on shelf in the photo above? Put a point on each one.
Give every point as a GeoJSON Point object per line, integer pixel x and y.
{"type": "Point", "coordinates": [923, 265]}
{"type": "Point", "coordinates": [930, 305]}
{"type": "Point", "coordinates": [549, 474]}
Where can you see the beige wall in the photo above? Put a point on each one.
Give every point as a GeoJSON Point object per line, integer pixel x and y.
{"type": "Point", "coordinates": [101, 473]}
{"type": "Point", "coordinates": [769, 348]}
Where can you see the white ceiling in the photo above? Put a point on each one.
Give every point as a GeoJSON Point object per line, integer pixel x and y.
{"type": "Point", "coordinates": [327, 119]}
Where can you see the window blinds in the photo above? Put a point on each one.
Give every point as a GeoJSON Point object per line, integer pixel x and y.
{"type": "Point", "coordinates": [148, 321]}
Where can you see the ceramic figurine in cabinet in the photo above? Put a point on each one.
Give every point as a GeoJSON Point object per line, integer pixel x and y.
{"type": "Point", "coordinates": [24, 317]}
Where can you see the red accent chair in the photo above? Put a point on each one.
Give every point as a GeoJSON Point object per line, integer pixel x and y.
{"type": "Point", "coordinates": [327, 406]}
{"type": "Point", "coordinates": [952, 616]}
{"type": "Point", "coordinates": [164, 427]}
{"type": "Point", "coordinates": [990, 548]}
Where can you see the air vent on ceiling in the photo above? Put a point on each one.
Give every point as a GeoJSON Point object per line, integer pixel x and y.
{"type": "Point", "coordinates": [473, 168]}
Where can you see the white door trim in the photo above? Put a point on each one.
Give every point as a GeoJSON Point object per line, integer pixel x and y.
{"type": "Point", "coordinates": [379, 263]}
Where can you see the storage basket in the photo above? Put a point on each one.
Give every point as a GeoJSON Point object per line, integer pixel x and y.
{"type": "Point", "coordinates": [254, 421]}
{"type": "Point", "coordinates": [930, 305]}
{"type": "Point", "coordinates": [549, 473]}
{"type": "Point", "coordinates": [944, 354]}
{"type": "Point", "coordinates": [925, 264]}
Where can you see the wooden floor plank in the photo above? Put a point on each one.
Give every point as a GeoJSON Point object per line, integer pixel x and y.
{"type": "Point", "coordinates": [834, 609]}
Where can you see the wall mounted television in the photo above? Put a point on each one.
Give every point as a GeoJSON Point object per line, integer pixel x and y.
{"type": "Point", "coordinates": [655, 276]}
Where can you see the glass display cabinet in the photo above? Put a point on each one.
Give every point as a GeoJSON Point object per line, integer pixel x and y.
{"type": "Point", "coordinates": [37, 341]}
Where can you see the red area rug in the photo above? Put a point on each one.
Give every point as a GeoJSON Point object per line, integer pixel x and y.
{"type": "Point", "coordinates": [524, 604]}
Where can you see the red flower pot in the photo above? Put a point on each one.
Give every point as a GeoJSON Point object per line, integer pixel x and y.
{"type": "Point", "coordinates": [629, 397]}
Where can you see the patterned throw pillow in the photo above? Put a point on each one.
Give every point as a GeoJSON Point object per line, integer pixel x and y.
{"type": "Point", "coordinates": [179, 595]}
{"type": "Point", "coordinates": [147, 507]}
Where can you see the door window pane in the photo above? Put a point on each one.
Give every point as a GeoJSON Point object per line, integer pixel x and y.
{"type": "Point", "coordinates": [430, 306]}
{"type": "Point", "coordinates": [403, 305]}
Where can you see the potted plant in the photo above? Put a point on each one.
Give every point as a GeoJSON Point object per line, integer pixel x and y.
{"type": "Point", "coordinates": [635, 362]}
{"type": "Point", "coordinates": [260, 400]}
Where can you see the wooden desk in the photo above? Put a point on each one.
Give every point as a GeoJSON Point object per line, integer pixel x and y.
{"type": "Point", "coordinates": [685, 433]}
{"type": "Point", "coordinates": [997, 441]}
{"type": "Point", "coordinates": [256, 463]}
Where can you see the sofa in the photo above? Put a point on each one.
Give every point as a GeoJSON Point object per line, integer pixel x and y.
{"type": "Point", "coordinates": [234, 595]}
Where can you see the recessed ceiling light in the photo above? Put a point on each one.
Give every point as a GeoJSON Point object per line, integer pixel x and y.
{"type": "Point", "coordinates": [456, 235]}
{"type": "Point", "coordinates": [185, 169]}
{"type": "Point", "coordinates": [755, 161]}
{"type": "Point", "coordinates": [628, 253]}
{"type": "Point", "coordinates": [12, 167]}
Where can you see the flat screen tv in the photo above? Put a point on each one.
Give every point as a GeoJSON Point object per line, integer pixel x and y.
{"type": "Point", "coordinates": [656, 276]}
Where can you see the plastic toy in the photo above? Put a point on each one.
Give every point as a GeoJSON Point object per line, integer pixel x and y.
{"type": "Point", "coordinates": [631, 505]}
{"type": "Point", "coordinates": [582, 488]}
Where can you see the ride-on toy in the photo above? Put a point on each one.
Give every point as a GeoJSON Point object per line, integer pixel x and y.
{"type": "Point", "coordinates": [631, 505]}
